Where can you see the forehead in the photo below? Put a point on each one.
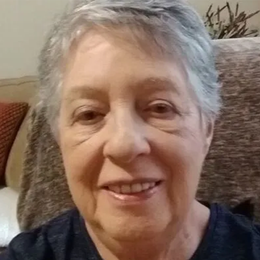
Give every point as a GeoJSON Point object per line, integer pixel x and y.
{"type": "Point", "coordinates": [100, 59]}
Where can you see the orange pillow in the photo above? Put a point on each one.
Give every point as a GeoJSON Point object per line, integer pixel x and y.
{"type": "Point", "coordinates": [11, 117]}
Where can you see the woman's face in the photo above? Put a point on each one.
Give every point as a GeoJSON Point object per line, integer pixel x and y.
{"type": "Point", "coordinates": [132, 140]}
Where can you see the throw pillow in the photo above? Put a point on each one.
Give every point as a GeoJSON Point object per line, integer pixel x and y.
{"type": "Point", "coordinates": [11, 117]}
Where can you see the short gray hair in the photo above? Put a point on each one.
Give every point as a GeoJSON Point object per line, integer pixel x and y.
{"type": "Point", "coordinates": [172, 24]}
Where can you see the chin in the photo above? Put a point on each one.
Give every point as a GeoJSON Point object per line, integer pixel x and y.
{"type": "Point", "coordinates": [132, 228]}
{"type": "Point", "coordinates": [132, 232]}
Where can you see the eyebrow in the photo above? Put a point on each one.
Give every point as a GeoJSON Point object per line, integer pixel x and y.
{"type": "Point", "coordinates": [154, 84]}
{"type": "Point", "coordinates": [158, 84]}
{"type": "Point", "coordinates": [85, 91]}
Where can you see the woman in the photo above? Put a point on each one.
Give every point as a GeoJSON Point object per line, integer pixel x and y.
{"type": "Point", "coordinates": [132, 95]}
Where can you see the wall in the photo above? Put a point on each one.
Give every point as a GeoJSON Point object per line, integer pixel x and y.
{"type": "Point", "coordinates": [23, 24]}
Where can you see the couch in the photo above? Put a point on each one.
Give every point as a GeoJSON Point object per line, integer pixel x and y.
{"type": "Point", "coordinates": [17, 91]}
{"type": "Point", "coordinates": [232, 169]}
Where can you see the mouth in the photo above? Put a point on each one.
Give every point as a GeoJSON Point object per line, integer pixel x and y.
{"type": "Point", "coordinates": [133, 192]}
{"type": "Point", "coordinates": [134, 188]}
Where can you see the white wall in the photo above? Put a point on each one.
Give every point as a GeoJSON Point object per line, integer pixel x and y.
{"type": "Point", "coordinates": [24, 23]}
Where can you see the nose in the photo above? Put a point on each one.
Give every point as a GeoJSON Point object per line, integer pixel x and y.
{"type": "Point", "coordinates": [126, 142]}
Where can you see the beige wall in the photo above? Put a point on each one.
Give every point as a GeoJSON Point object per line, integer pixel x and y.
{"type": "Point", "coordinates": [23, 24]}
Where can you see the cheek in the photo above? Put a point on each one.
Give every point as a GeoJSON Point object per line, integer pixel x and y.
{"type": "Point", "coordinates": [182, 158]}
{"type": "Point", "coordinates": [82, 162]}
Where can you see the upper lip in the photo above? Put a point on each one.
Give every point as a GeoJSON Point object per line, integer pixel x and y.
{"type": "Point", "coordinates": [120, 182]}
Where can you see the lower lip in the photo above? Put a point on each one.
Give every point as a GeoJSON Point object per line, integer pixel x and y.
{"type": "Point", "coordinates": [136, 197]}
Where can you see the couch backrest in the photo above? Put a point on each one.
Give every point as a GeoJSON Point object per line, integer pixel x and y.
{"type": "Point", "coordinates": [232, 169]}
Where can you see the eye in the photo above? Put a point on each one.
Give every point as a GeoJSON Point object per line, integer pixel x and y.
{"type": "Point", "coordinates": [89, 117]}
{"type": "Point", "coordinates": [161, 109]}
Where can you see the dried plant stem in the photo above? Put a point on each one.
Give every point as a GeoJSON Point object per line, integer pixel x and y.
{"type": "Point", "coordinates": [235, 27]}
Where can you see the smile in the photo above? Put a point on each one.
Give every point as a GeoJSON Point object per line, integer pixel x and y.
{"type": "Point", "coordinates": [133, 192]}
{"type": "Point", "coordinates": [132, 188]}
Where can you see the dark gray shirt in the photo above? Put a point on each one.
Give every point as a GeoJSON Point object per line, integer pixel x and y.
{"type": "Point", "coordinates": [228, 237]}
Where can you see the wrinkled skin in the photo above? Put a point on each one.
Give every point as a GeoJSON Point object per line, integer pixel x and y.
{"type": "Point", "coordinates": [127, 116]}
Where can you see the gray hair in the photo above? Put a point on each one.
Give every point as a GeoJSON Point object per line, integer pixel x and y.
{"type": "Point", "coordinates": [173, 26]}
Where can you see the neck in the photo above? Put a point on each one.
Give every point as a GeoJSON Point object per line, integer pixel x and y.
{"type": "Point", "coordinates": [181, 246]}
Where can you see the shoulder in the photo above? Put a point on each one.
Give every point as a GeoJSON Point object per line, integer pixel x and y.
{"type": "Point", "coordinates": [237, 224]}
{"type": "Point", "coordinates": [236, 236]}
{"type": "Point", "coordinates": [42, 242]}
{"type": "Point", "coordinates": [50, 232]}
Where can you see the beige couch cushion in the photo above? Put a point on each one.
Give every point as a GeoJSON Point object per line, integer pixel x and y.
{"type": "Point", "coordinates": [17, 90]}
{"type": "Point", "coordinates": [232, 169]}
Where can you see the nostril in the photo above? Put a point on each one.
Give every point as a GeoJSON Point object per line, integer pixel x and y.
{"type": "Point", "coordinates": [125, 144]}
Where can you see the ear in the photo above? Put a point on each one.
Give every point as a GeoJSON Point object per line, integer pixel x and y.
{"type": "Point", "coordinates": [207, 128]}
{"type": "Point", "coordinates": [209, 132]}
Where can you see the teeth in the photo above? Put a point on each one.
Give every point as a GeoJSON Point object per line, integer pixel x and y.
{"type": "Point", "coordinates": [152, 184]}
{"type": "Point", "coordinates": [125, 189]}
{"type": "Point", "coordinates": [116, 189]}
{"type": "Point", "coordinates": [131, 189]}
{"type": "Point", "coordinates": [146, 186]}
{"type": "Point", "coordinates": [136, 188]}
